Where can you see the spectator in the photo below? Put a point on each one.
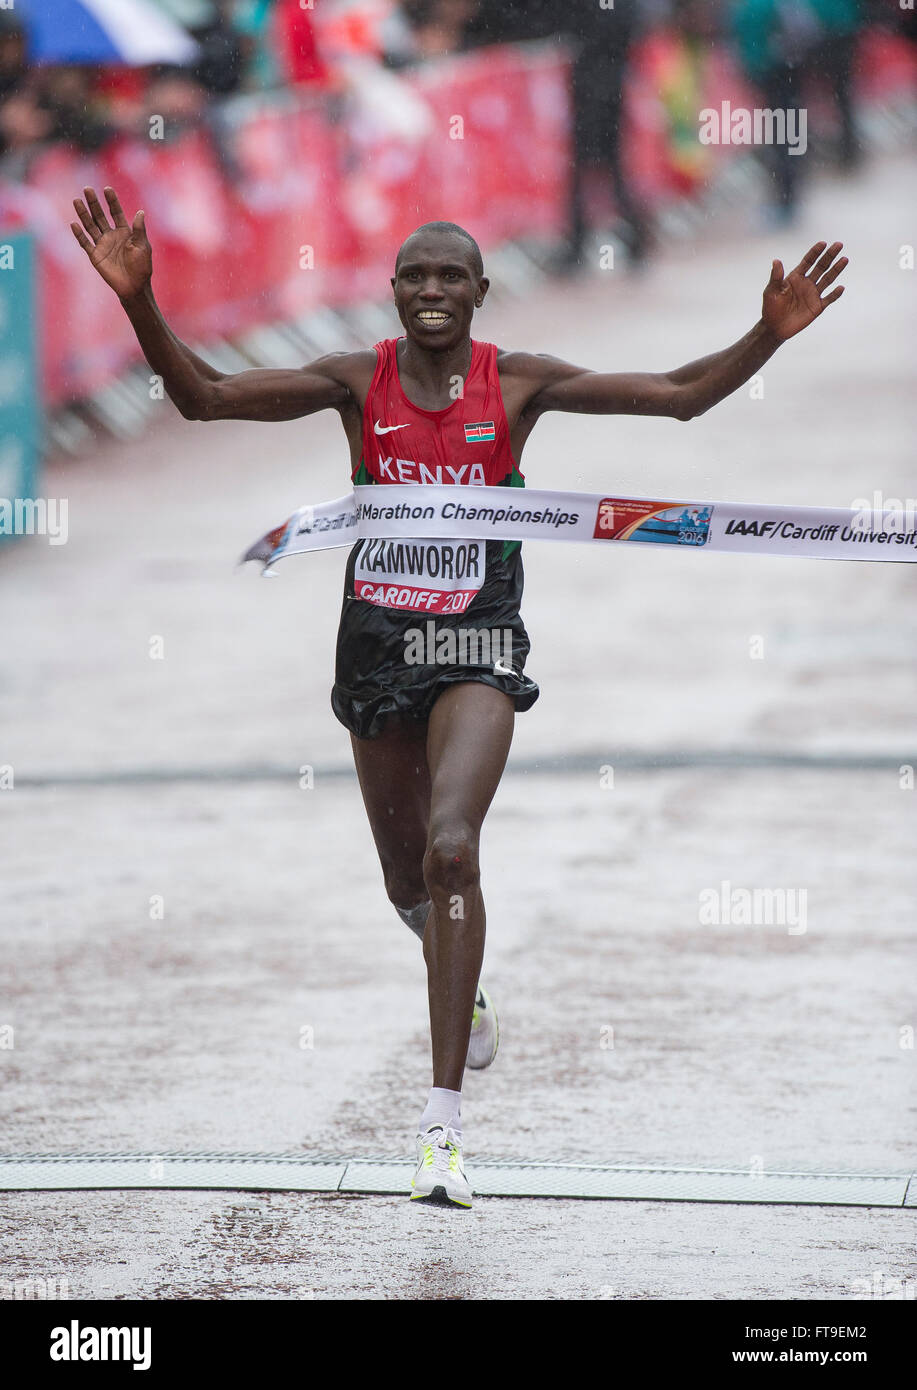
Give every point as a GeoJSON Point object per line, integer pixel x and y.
{"type": "Point", "coordinates": [252, 20]}
{"type": "Point", "coordinates": [13, 69]}
{"type": "Point", "coordinates": [677, 60]}
{"type": "Point", "coordinates": [604, 38]}
{"type": "Point", "coordinates": [423, 29]}
{"type": "Point", "coordinates": [444, 30]}
{"type": "Point", "coordinates": [299, 60]}
{"type": "Point", "coordinates": [776, 39]}
{"type": "Point", "coordinates": [175, 95]}
{"type": "Point", "coordinates": [22, 121]}
{"type": "Point", "coordinates": [219, 68]}
{"type": "Point", "coordinates": [76, 115]}
{"type": "Point", "coordinates": [841, 24]}
{"type": "Point", "coordinates": [513, 21]}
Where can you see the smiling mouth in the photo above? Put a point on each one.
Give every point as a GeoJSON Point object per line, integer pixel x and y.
{"type": "Point", "coordinates": [432, 318]}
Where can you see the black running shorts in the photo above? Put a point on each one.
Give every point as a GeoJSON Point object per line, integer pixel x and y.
{"type": "Point", "coordinates": [398, 661]}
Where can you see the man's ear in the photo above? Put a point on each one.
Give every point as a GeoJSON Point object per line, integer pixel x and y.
{"type": "Point", "coordinates": [483, 287]}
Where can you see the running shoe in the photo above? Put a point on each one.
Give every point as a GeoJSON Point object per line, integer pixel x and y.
{"type": "Point", "coordinates": [485, 1032]}
{"type": "Point", "coordinates": [440, 1177]}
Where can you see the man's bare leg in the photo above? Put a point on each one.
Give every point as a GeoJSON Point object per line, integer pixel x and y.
{"type": "Point", "coordinates": [426, 789]}
{"type": "Point", "coordinates": [395, 782]}
{"type": "Point", "coordinates": [468, 740]}
{"type": "Point", "coordinates": [419, 833]}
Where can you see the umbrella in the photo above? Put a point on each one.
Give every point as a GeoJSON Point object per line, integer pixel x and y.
{"type": "Point", "coordinates": [135, 32]}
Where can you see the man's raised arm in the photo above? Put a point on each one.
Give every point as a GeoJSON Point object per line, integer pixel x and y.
{"type": "Point", "coordinates": [790, 304]}
{"type": "Point", "coordinates": [123, 257]}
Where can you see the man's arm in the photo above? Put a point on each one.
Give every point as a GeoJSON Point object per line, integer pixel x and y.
{"type": "Point", "coordinates": [122, 255]}
{"type": "Point", "coordinates": [202, 393]}
{"type": "Point", "coordinates": [790, 304]}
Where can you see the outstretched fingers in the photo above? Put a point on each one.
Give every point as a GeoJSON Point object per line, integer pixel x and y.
{"type": "Point", "coordinates": [821, 263]}
{"type": "Point", "coordinates": [810, 258]}
{"type": "Point", "coordinates": [115, 207]}
{"type": "Point", "coordinates": [831, 275]}
{"type": "Point", "coordinates": [93, 230]}
{"type": "Point", "coordinates": [93, 219]}
{"type": "Point", "coordinates": [97, 211]}
{"type": "Point", "coordinates": [81, 236]}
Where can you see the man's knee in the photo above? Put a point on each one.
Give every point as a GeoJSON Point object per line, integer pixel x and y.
{"type": "Point", "coordinates": [450, 866]}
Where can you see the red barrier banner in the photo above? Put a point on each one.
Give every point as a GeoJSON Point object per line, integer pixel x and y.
{"type": "Point", "coordinates": [502, 144]}
{"type": "Point", "coordinates": [289, 245]}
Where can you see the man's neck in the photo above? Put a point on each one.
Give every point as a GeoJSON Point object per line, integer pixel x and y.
{"type": "Point", "coordinates": [434, 371]}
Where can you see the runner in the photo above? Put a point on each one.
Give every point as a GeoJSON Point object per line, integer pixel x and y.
{"type": "Point", "coordinates": [430, 738]}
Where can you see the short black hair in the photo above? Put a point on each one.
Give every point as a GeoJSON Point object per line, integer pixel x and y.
{"type": "Point", "coordinates": [477, 261]}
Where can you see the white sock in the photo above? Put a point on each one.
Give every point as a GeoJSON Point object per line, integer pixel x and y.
{"type": "Point", "coordinates": [443, 1108]}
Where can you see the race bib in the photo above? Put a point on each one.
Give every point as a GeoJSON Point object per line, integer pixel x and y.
{"type": "Point", "coordinates": [429, 576]}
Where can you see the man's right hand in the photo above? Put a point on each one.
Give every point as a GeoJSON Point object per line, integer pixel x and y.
{"type": "Point", "coordinates": [123, 257]}
{"type": "Point", "coordinates": [121, 253]}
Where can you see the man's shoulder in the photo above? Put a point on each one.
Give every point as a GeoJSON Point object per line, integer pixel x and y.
{"type": "Point", "coordinates": [334, 362]}
{"type": "Point", "coordinates": [536, 368]}
{"type": "Point", "coordinates": [349, 368]}
{"type": "Point", "coordinates": [533, 366]}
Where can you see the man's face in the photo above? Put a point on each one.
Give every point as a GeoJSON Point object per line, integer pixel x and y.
{"type": "Point", "coordinates": [436, 290]}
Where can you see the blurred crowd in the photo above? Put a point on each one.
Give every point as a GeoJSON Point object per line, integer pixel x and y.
{"type": "Point", "coordinates": [252, 45]}
{"type": "Point", "coordinates": [249, 46]}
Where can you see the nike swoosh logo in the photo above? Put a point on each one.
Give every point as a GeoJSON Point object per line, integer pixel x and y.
{"type": "Point", "coordinates": [501, 670]}
{"type": "Point", "coordinates": [387, 429]}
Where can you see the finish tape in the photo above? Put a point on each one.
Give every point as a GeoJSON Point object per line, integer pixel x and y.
{"type": "Point", "coordinates": [411, 511]}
